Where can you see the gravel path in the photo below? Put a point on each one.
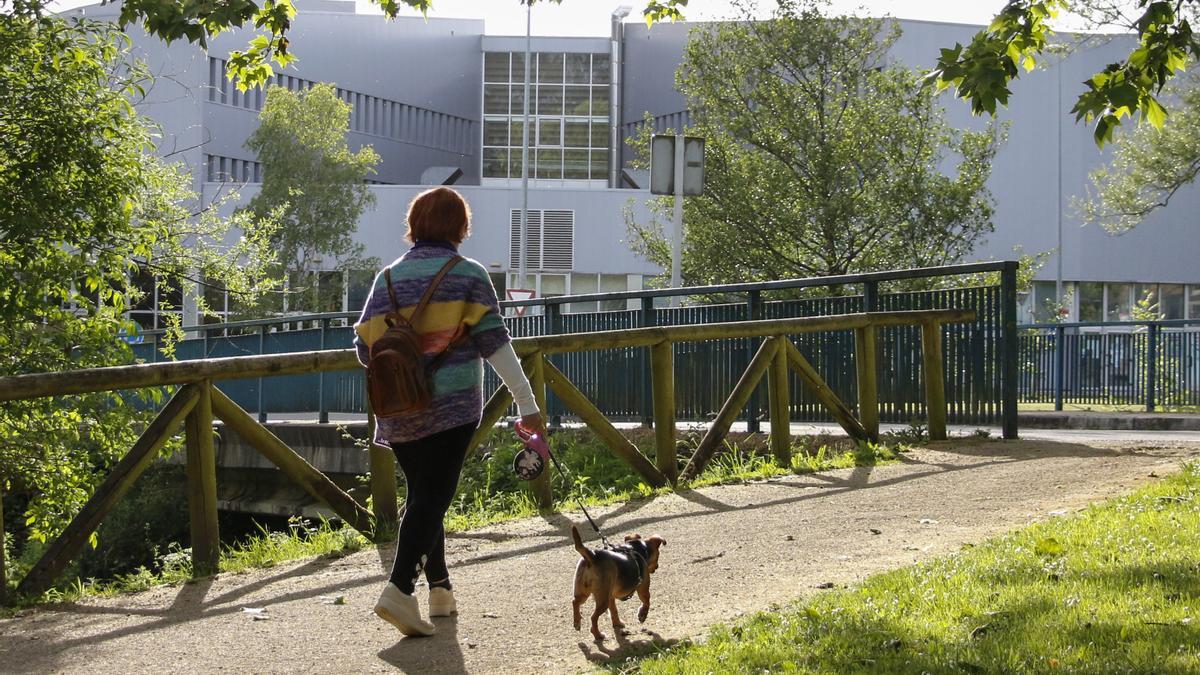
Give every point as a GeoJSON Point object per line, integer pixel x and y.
{"type": "Point", "coordinates": [730, 550]}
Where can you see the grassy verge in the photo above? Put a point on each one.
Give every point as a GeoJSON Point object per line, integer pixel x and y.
{"type": "Point", "coordinates": [1114, 589]}
{"type": "Point", "coordinates": [489, 493]}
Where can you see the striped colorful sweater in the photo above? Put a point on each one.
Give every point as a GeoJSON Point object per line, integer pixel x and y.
{"type": "Point", "coordinates": [464, 303]}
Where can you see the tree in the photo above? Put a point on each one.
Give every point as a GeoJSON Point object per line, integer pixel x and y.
{"type": "Point", "coordinates": [821, 159]}
{"type": "Point", "coordinates": [1149, 165]}
{"type": "Point", "coordinates": [311, 179]}
{"type": "Point", "coordinates": [85, 205]}
{"type": "Point", "coordinates": [195, 22]}
{"type": "Point", "coordinates": [982, 71]}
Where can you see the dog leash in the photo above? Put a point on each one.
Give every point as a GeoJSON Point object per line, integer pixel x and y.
{"type": "Point", "coordinates": [537, 447]}
{"type": "Point", "coordinates": [579, 501]}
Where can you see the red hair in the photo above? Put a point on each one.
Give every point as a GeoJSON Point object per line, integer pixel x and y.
{"type": "Point", "coordinates": [438, 214]}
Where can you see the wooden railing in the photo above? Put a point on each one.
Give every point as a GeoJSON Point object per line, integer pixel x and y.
{"type": "Point", "coordinates": [196, 403]}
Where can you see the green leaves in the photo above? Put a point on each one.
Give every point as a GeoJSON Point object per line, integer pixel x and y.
{"type": "Point", "coordinates": [86, 208]}
{"type": "Point", "coordinates": [312, 181]}
{"type": "Point", "coordinates": [981, 72]}
{"type": "Point", "coordinates": [820, 160]}
{"type": "Point", "coordinates": [1149, 164]}
{"type": "Point", "coordinates": [663, 10]}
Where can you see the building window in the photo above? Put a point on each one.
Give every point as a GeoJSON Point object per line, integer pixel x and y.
{"type": "Point", "coordinates": [569, 104]}
{"type": "Point", "coordinates": [1119, 305]}
{"type": "Point", "coordinates": [1091, 301]}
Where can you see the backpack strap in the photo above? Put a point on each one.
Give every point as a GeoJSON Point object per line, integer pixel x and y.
{"type": "Point", "coordinates": [437, 279]}
{"type": "Point", "coordinates": [387, 275]}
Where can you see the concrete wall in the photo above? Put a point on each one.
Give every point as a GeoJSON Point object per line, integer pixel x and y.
{"type": "Point", "coordinates": [599, 245]}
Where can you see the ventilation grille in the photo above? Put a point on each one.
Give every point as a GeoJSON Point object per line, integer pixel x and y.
{"type": "Point", "coordinates": [551, 239]}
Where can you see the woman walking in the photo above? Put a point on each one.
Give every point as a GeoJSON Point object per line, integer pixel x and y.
{"type": "Point", "coordinates": [459, 328]}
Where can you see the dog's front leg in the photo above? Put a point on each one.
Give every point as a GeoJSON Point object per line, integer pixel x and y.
{"type": "Point", "coordinates": [644, 596]}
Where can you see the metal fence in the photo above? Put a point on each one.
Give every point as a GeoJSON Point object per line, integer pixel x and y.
{"type": "Point", "coordinates": [1155, 364]}
{"type": "Point", "coordinates": [979, 357]}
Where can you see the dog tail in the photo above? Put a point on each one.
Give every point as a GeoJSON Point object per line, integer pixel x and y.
{"type": "Point", "coordinates": [583, 550]}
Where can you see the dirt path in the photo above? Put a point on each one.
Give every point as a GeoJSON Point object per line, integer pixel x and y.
{"type": "Point", "coordinates": [730, 550]}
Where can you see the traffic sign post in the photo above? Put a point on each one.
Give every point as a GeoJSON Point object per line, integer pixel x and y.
{"type": "Point", "coordinates": [677, 169]}
{"type": "Point", "coordinates": [520, 294]}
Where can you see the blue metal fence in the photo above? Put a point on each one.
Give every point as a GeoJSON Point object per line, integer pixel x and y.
{"type": "Point", "coordinates": [618, 380]}
{"type": "Point", "coordinates": [1155, 364]}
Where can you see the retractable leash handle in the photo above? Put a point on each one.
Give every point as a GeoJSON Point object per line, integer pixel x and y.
{"type": "Point", "coordinates": [531, 461]}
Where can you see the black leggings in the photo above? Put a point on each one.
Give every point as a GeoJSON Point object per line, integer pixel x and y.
{"type": "Point", "coordinates": [431, 468]}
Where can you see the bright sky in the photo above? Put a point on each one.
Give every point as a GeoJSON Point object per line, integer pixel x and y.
{"type": "Point", "coordinates": [591, 17]}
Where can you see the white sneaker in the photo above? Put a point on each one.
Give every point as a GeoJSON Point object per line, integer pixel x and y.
{"type": "Point", "coordinates": [441, 602]}
{"type": "Point", "coordinates": [400, 609]}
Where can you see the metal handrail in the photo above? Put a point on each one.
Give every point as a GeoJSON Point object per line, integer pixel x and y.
{"type": "Point", "coordinates": [761, 286]}
{"type": "Point", "coordinates": [717, 289]}
{"type": "Point", "coordinates": [1161, 323]}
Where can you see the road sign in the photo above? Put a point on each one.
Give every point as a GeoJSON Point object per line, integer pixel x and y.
{"type": "Point", "coordinates": [520, 294]}
{"type": "Point", "coordinates": [662, 165]}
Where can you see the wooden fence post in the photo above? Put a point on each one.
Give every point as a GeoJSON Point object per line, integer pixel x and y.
{"type": "Point", "coordinates": [662, 362]}
{"type": "Point", "coordinates": [124, 474]}
{"type": "Point", "coordinates": [383, 482]}
{"type": "Point", "coordinates": [1008, 349]}
{"type": "Point", "coordinates": [3, 562]}
{"type": "Point", "coordinates": [729, 410]}
{"type": "Point", "coordinates": [202, 485]}
{"type": "Point", "coordinates": [868, 380]}
{"type": "Point", "coordinates": [292, 464]}
{"type": "Point", "coordinates": [780, 403]}
{"type": "Point", "coordinates": [537, 379]}
{"type": "Point", "coordinates": [754, 312]}
{"type": "Point", "coordinates": [935, 379]}
{"type": "Point", "coordinates": [599, 424]}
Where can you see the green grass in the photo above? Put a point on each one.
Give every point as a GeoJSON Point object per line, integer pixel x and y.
{"type": "Point", "coordinates": [1113, 589]}
{"type": "Point", "coordinates": [490, 493]}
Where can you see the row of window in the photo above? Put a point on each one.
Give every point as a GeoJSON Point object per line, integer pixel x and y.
{"type": "Point", "coordinates": [370, 114]}
{"type": "Point", "coordinates": [547, 68]}
{"type": "Point", "coordinates": [1099, 301]}
{"type": "Point", "coordinates": [552, 164]}
{"type": "Point", "coordinates": [557, 99]}
{"type": "Point", "coordinates": [569, 132]}
{"type": "Point", "coordinates": [219, 169]}
{"type": "Point", "coordinates": [546, 132]}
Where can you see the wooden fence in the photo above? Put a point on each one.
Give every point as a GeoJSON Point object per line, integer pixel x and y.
{"type": "Point", "coordinates": [196, 403]}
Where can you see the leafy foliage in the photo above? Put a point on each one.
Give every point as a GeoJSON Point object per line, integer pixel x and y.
{"type": "Point", "coordinates": [820, 159]}
{"type": "Point", "coordinates": [85, 206]}
{"type": "Point", "coordinates": [1149, 166]}
{"type": "Point", "coordinates": [982, 71]}
{"type": "Point", "coordinates": [312, 181]}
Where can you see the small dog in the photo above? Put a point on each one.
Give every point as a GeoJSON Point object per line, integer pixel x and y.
{"type": "Point", "coordinates": [611, 575]}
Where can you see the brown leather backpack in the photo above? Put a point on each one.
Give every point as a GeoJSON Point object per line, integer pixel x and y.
{"type": "Point", "coordinates": [397, 380]}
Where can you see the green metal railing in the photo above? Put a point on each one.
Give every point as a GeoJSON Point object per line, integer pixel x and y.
{"type": "Point", "coordinates": [1155, 364]}
{"type": "Point", "coordinates": [980, 356]}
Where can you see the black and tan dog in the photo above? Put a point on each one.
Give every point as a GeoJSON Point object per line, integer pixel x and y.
{"type": "Point", "coordinates": [614, 574]}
